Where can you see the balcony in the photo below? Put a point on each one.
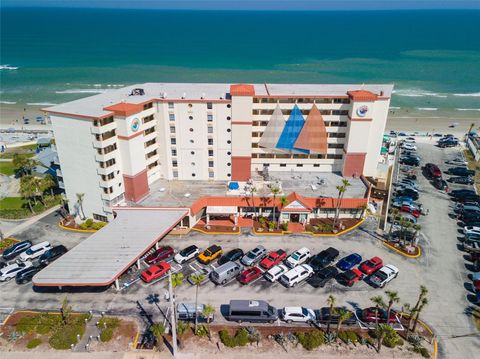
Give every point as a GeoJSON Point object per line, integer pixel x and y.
{"type": "Point", "coordinates": [153, 158]}
{"type": "Point", "coordinates": [106, 157]}
{"type": "Point", "coordinates": [58, 173]}
{"type": "Point", "coordinates": [98, 130]}
{"type": "Point", "coordinates": [105, 171]}
{"type": "Point", "coordinates": [104, 143]}
{"type": "Point", "coordinates": [150, 136]}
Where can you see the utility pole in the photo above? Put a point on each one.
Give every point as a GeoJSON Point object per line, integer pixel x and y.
{"type": "Point", "coordinates": [173, 320]}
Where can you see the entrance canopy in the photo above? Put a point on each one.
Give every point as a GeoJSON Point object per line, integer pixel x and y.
{"type": "Point", "coordinates": [222, 210]}
{"type": "Point", "coordinates": [101, 258]}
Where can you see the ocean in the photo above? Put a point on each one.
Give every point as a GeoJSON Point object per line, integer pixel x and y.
{"type": "Point", "coordinates": [50, 55]}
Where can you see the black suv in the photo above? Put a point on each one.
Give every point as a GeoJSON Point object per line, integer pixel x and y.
{"type": "Point", "coordinates": [27, 274]}
{"type": "Point", "coordinates": [16, 249]}
{"type": "Point", "coordinates": [460, 171]}
{"type": "Point", "coordinates": [322, 277]}
{"type": "Point", "coordinates": [323, 259]}
{"type": "Point", "coordinates": [233, 255]}
{"type": "Point", "coordinates": [461, 180]}
{"type": "Point", "coordinates": [410, 161]}
{"type": "Point", "coordinates": [52, 254]}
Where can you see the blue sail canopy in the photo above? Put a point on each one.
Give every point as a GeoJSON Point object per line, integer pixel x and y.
{"type": "Point", "coordinates": [290, 132]}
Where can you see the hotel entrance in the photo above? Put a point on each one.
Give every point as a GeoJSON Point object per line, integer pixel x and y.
{"type": "Point", "coordinates": [294, 217]}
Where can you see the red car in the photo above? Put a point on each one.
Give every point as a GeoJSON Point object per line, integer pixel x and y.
{"type": "Point", "coordinates": [249, 275]}
{"type": "Point", "coordinates": [156, 271]}
{"type": "Point", "coordinates": [371, 266]}
{"type": "Point", "coordinates": [159, 255]}
{"type": "Point", "coordinates": [433, 171]}
{"type": "Point", "coordinates": [351, 276]}
{"type": "Point", "coordinates": [273, 258]}
{"type": "Point", "coordinates": [369, 315]}
{"type": "Point", "coordinates": [408, 209]}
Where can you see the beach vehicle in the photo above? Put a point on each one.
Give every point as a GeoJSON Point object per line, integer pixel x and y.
{"type": "Point", "coordinates": [371, 315]}
{"type": "Point", "coordinates": [249, 275]}
{"type": "Point", "coordinates": [371, 265]}
{"type": "Point", "coordinates": [323, 259]}
{"type": "Point", "coordinates": [52, 254]}
{"type": "Point", "coordinates": [35, 251]}
{"type": "Point", "coordinates": [409, 192]}
{"type": "Point", "coordinates": [298, 257]}
{"type": "Point", "coordinates": [409, 140]}
{"type": "Point", "coordinates": [273, 274]}
{"type": "Point", "coordinates": [322, 277]}
{"type": "Point", "coordinates": [296, 275]}
{"type": "Point", "coordinates": [233, 255]}
{"type": "Point", "coordinates": [324, 316]}
{"type": "Point", "coordinates": [256, 311]}
{"type": "Point", "coordinates": [210, 254]}
{"type": "Point", "coordinates": [205, 272]}
{"type": "Point", "coordinates": [160, 254]}
{"type": "Point", "coordinates": [11, 270]}
{"type": "Point", "coordinates": [410, 209]}
{"type": "Point", "coordinates": [273, 258]}
{"type": "Point", "coordinates": [226, 272]}
{"type": "Point", "coordinates": [384, 275]}
{"type": "Point", "coordinates": [16, 249]}
{"type": "Point", "coordinates": [186, 254]}
{"type": "Point", "coordinates": [351, 276]}
{"type": "Point", "coordinates": [448, 143]}
{"type": "Point", "coordinates": [298, 314]}
{"type": "Point", "coordinates": [254, 256]}
{"type": "Point", "coordinates": [156, 271]}
{"type": "Point", "coordinates": [349, 261]}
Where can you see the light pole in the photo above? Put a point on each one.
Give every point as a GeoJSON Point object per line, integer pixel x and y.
{"type": "Point", "coordinates": [173, 320]}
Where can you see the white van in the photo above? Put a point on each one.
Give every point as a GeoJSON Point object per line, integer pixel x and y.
{"type": "Point", "coordinates": [35, 251]}
{"type": "Point", "coordinates": [296, 275]}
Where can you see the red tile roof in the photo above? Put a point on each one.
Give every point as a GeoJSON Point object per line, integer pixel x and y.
{"type": "Point", "coordinates": [125, 109]}
{"type": "Point", "coordinates": [362, 95]}
{"type": "Point", "coordinates": [242, 90]}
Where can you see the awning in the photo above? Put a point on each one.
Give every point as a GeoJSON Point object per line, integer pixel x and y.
{"type": "Point", "coordinates": [222, 210]}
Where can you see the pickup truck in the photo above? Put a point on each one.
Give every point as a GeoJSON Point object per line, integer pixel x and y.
{"type": "Point", "coordinates": [273, 258]}
{"type": "Point", "coordinates": [384, 275]}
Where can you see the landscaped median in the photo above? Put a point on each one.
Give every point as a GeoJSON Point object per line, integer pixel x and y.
{"type": "Point", "coordinates": [87, 226]}
{"type": "Point", "coordinates": [415, 253]}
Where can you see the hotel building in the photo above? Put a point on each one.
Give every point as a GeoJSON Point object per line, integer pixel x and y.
{"type": "Point", "coordinates": [114, 145]}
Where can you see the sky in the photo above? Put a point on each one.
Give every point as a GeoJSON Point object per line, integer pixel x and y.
{"type": "Point", "coordinates": [252, 4]}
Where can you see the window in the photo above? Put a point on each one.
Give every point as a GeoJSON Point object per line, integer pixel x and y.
{"type": "Point", "coordinates": [209, 105]}
{"type": "Point", "coordinates": [210, 153]}
{"type": "Point", "coordinates": [299, 165]}
{"type": "Point", "coordinates": [210, 163]}
{"type": "Point", "coordinates": [170, 105]}
{"type": "Point", "coordinates": [210, 141]}
{"type": "Point", "coordinates": [175, 173]}
{"type": "Point", "coordinates": [210, 129]}
{"type": "Point", "coordinates": [192, 152]}
{"type": "Point", "coordinates": [340, 112]}
{"type": "Point", "coordinates": [254, 145]}
{"type": "Point", "coordinates": [211, 174]}
{"type": "Point", "coordinates": [229, 153]}
{"type": "Point", "coordinates": [174, 163]}
{"type": "Point", "coordinates": [190, 105]}
{"type": "Point", "coordinates": [147, 106]}
{"type": "Point", "coordinates": [193, 163]}
{"type": "Point", "coordinates": [193, 174]}
{"type": "Point", "coordinates": [172, 129]}
{"type": "Point", "coordinates": [229, 164]}
{"type": "Point", "coordinates": [335, 145]}
{"type": "Point", "coordinates": [316, 165]}
{"type": "Point", "coordinates": [173, 141]}
{"type": "Point", "coordinates": [171, 116]}
{"type": "Point", "coordinates": [174, 152]}
{"type": "Point", "coordinates": [283, 165]}
{"type": "Point", "coordinates": [209, 118]}
{"type": "Point", "coordinates": [229, 142]}
{"type": "Point", "coordinates": [192, 141]}
{"type": "Point", "coordinates": [190, 129]}
{"type": "Point", "coordinates": [148, 119]}
{"type": "Point", "coordinates": [229, 175]}
{"type": "Point", "coordinates": [228, 118]}
{"type": "Point", "coordinates": [190, 118]}
{"type": "Point", "coordinates": [99, 217]}
{"type": "Point", "coordinates": [229, 130]}
{"type": "Point", "coordinates": [153, 164]}
{"type": "Point", "coordinates": [334, 157]}
{"type": "Point", "coordinates": [228, 106]}
{"type": "Point", "coordinates": [336, 134]}
{"type": "Point", "coordinates": [151, 130]}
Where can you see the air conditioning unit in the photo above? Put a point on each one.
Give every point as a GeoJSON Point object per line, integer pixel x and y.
{"type": "Point", "coordinates": [184, 95]}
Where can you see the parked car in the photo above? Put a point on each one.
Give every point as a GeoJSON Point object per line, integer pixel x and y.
{"type": "Point", "coordinates": [384, 275]}
{"type": "Point", "coordinates": [16, 249]}
{"type": "Point", "coordinates": [52, 254]}
{"type": "Point", "coordinates": [11, 270]}
{"type": "Point", "coordinates": [186, 254]}
{"type": "Point", "coordinates": [324, 316]}
{"type": "Point", "coordinates": [406, 216]}
{"type": "Point", "coordinates": [210, 254]}
{"type": "Point", "coordinates": [440, 184]}
{"type": "Point", "coordinates": [296, 275]}
{"type": "Point", "coordinates": [156, 271]}
{"type": "Point", "coordinates": [466, 198]}
{"type": "Point", "coordinates": [273, 274]}
{"type": "Point", "coordinates": [205, 272]}
{"type": "Point", "coordinates": [273, 258]}
{"type": "Point", "coordinates": [371, 265]}
{"type": "Point", "coordinates": [298, 257]}
{"type": "Point", "coordinates": [471, 229]}
{"type": "Point", "coordinates": [371, 315]}
{"type": "Point", "coordinates": [351, 276]}
{"type": "Point", "coordinates": [249, 275]}
{"type": "Point", "coordinates": [409, 193]}
{"type": "Point", "coordinates": [35, 251]}
{"type": "Point", "coordinates": [457, 162]}
{"type": "Point", "coordinates": [409, 140]}
{"type": "Point", "coordinates": [409, 146]}
{"type": "Point", "coordinates": [160, 254]}
{"type": "Point", "coordinates": [462, 180]}
{"type": "Point", "coordinates": [254, 256]}
{"type": "Point", "coordinates": [226, 272]}
{"type": "Point", "coordinates": [257, 311]}
{"type": "Point", "coordinates": [298, 314]}
{"type": "Point", "coordinates": [448, 143]}
{"type": "Point", "coordinates": [410, 161]}
{"type": "Point", "coordinates": [349, 261]}
{"type": "Point", "coordinates": [187, 312]}
{"type": "Point", "coordinates": [462, 192]}
{"type": "Point", "coordinates": [26, 275]}
{"type": "Point", "coordinates": [233, 255]}
{"type": "Point", "coordinates": [460, 171]}
{"type": "Point", "coordinates": [323, 259]}
{"type": "Point", "coordinates": [322, 277]}
{"type": "Point", "coordinates": [471, 246]}
{"type": "Point", "coordinates": [473, 237]}
{"type": "Point", "coordinates": [410, 209]}
{"type": "Point", "coordinates": [432, 170]}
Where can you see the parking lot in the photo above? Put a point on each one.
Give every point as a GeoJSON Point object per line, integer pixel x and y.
{"type": "Point", "coordinates": [441, 268]}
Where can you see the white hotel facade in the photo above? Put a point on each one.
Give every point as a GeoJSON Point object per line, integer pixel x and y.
{"type": "Point", "coordinates": [114, 145]}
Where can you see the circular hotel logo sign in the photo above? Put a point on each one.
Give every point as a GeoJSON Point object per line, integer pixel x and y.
{"type": "Point", "coordinates": [362, 111]}
{"type": "Point", "coordinates": [135, 124]}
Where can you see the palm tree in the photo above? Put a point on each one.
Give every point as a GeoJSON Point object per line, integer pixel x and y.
{"type": "Point", "coordinates": [158, 330]}
{"type": "Point", "coordinates": [393, 215]}
{"type": "Point", "coordinates": [423, 303]}
{"type": "Point", "coordinates": [380, 332]}
{"type": "Point", "coordinates": [392, 298]}
{"type": "Point", "coordinates": [341, 192]}
{"type": "Point", "coordinates": [208, 311]}
{"type": "Point", "coordinates": [27, 190]}
{"type": "Point", "coordinates": [275, 191]}
{"type": "Point", "coordinates": [413, 311]}
{"type": "Point", "coordinates": [406, 227]}
{"type": "Point", "coordinates": [80, 197]}
{"type": "Point", "coordinates": [343, 315]}
{"type": "Point", "coordinates": [176, 280]}
{"type": "Point", "coordinates": [197, 279]}
{"type": "Point", "coordinates": [283, 203]}
{"type": "Point", "coordinates": [253, 190]}
{"type": "Point", "coordinates": [331, 303]}
{"type": "Point", "coordinates": [472, 125]}
{"type": "Point", "coordinates": [379, 303]}
{"type": "Point", "coordinates": [23, 165]}
{"type": "Point", "coordinates": [417, 228]}
{"type": "Point", "coordinates": [48, 183]}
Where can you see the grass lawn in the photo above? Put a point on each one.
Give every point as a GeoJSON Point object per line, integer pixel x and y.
{"type": "Point", "coordinates": [12, 202]}
{"type": "Point", "coordinates": [6, 168]}
{"type": "Point", "coordinates": [476, 318]}
{"type": "Point", "coordinates": [28, 150]}
{"type": "Point", "coordinates": [17, 207]}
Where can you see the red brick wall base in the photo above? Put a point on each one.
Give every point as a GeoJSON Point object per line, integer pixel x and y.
{"type": "Point", "coordinates": [241, 167]}
{"type": "Point", "coordinates": [353, 164]}
{"type": "Point", "coordinates": [136, 187]}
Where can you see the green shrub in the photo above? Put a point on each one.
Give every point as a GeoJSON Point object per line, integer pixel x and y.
{"type": "Point", "coordinates": [271, 225]}
{"type": "Point", "coordinates": [35, 342]}
{"type": "Point", "coordinates": [226, 339]}
{"type": "Point", "coordinates": [98, 225]}
{"type": "Point", "coordinates": [83, 226]}
{"type": "Point", "coordinates": [202, 331]}
{"type": "Point", "coordinates": [89, 222]}
{"type": "Point", "coordinates": [310, 340]}
{"type": "Point", "coordinates": [262, 221]}
{"type": "Point", "coordinates": [107, 326]}
{"type": "Point", "coordinates": [348, 337]}
{"type": "Point", "coordinates": [392, 339]}
{"type": "Point", "coordinates": [422, 351]}
{"type": "Point", "coordinates": [6, 243]}
{"type": "Point", "coordinates": [284, 226]}
{"type": "Point", "coordinates": [106, 335]}
{"type": "Point", "coordinates": [240, 339]}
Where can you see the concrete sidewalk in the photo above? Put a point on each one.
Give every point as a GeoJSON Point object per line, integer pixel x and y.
{"type": "Point", "coordinates": [30, 221]}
